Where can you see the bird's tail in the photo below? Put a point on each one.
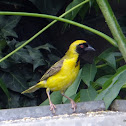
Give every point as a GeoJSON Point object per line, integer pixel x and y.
{"type": "Point", "coordinates": [35, 87]}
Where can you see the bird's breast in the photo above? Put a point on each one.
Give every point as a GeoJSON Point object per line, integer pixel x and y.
{"type": "Point", "coordinates": [65, 77]}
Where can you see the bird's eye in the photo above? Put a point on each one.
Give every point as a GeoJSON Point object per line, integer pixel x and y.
{"type": "Point", "coordinates": [81, 46]}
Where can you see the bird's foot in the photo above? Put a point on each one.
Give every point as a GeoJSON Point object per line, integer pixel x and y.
{"type": "Point", "coordinates": [74, 106]}
{"type": "Point", "coordinates": [52, 107]}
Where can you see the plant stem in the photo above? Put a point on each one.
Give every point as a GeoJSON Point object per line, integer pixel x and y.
{"type": "Point", "coordinates": [113, 26]}
{"type": "Point", "coordinates": [50, 24]}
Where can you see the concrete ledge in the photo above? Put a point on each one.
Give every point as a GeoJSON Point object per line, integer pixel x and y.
{"type": "Point", "coordinates": [43, 111]}
{"type": "Point", "coordinates": [100, 118]}
{"type": "Point", "coordinates": [119, 105]}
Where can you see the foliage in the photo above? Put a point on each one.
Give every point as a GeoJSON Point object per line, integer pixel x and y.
{"type": "Point", "coordinates": [102, 80]}
{"type": "Point", "coordinates": [21, 70]}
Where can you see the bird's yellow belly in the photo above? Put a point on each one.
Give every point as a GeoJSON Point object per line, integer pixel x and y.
{"type": "Point", "coordinates": [65, 77]}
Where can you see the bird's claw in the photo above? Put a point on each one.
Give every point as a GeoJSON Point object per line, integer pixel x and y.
{"type": "Point", "coordinates": [52, 107]}
{"type": "Point", "coordinates": [74, 106]}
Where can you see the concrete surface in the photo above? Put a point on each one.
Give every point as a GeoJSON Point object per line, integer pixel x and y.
{"type": "Point", "coordinates": [100, 118]}
{"type": "Point", "coordinates": [119, 105]}
{"type": "Point", "coordinates": [42, 111]}
{"type": "Point", "coordinates": [87, 114]}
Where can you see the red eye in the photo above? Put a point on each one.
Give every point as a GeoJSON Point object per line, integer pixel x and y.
{"type": "Point", "coordinates": [82, 46]}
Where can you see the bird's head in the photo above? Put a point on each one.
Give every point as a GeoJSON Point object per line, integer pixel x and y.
{"type": "Point", "coordinates": [79, 47]}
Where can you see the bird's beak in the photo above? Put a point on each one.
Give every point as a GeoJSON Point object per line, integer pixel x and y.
{"type": "Point", "coordinates": [89, 48]}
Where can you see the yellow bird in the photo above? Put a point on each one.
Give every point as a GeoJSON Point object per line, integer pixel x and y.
{"type": "Point", "coordinates": [63, 73]}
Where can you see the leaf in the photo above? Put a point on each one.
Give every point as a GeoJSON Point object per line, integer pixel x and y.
{"type": "Point", "coordinates": [88, 73]}
{"type": "Point", "coordinates": [4, 88]}
{"type": "Point", "coordinates": [5, 64]}
{"type": "Point", "coordinates": [114, 90]}
{"type": "Point", "coordinates": [72, 14]}
{"type": "Point", "coordinates": [37, 57]}
{"type": "Point", "coordinates": [56, 98]}
{"type": "Point", "coordinates": [74, 87]}
{"type": "Point", "coordinates": [26, 102]}
{"type": "Point", "coordinates": [12, 44]}
{"type": "Point", "coordinates": [28, 55]}
{"type": "Point", "coordinates": [49, 6]}
{"type": "Point", "coordinates": [91, 2]}
{"type": "Point", "coordinates": [109, 56]}
{"type": "Point", "coordinates": [112, 86]}
{"type": "Point", "coordinates": [83, 11]}
{"type": "Point", "coordinates": [3, 44]}
{"type": "Point", "coordinates": [34, 53]}
{"type": "Point", "coordinates": [87, 94]}
{"type": "Point", "coordinates": [7, 23]}
{"type": "Point", "coordinates": [13, 102]}
{"type": "Point", "coordinates": [14, 80]}
{"type": "Point", "coordinates": [52, 59]}
{"type": "Point", "coordinates": [37, 63]}
{"type": "Point", "coordinates": [100, 81]}
{"type": "Point", "coordinates": [47, 46]}
{"type": "Point", "coordinates": [22, 56]}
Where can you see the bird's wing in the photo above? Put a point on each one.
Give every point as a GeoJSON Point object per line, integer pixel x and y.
{"type": "Point", "coordinates": [53, 70]}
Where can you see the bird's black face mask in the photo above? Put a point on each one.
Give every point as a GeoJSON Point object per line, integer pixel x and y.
{"type": "Point", "coordinates": [82, 49]}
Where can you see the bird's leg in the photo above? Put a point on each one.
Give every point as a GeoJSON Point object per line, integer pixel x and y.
{"type": "Point", "coordinates": [74, 106]}
{"type": "Point", "coordinates": [52, 106]}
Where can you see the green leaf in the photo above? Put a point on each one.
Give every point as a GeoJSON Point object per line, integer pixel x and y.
{"type": "Point", "coordinates": [52, 58]}
{"type": "Point", "coordinates": [73, 88]}
{"type": "Point", "coordinates": [22, 56]}
{"type": "Point", "coordinates": [83, 11]}
{"type": "Point", "coordinates": [72, 15]}
{"type": "Point", "coordinates": [37, 63]}
{"type": "Point", "coordinates": [100, 81]}
{"type": "Point", "coordinates": [114, 90]}
{"type": "Point", "coordinates": [91, 2]}
{"type": "Point", "coordinates": [88, 94]}
{"type": "Point", "coordinates": [46, 46]}
{"type": "Point", "coordinates": [36, 56]}
{"type": "Point", "coordinates": [3, 44]}
{"type": "Point", "coordinates": [7, 23]}
{"type": "Point", "coordinates": [16, 100]}
{"type": "Point", "coordinates": [27, 55]}
{"type": "Point", "coordinates": [112, 86]}
{"type": "Point", "coordinates": [14, 80]}
{"type": "Point", "coordinates": [5, 64]}
{"type": "Point", "coordinates": [109, 56]}
{"type": "Point", "coordinates": [51, 7]}
{"type": "Point", "coordinates": [88, 73]}
{"type": "Point", "coordinates": [4, 88]}
{"type": "Point", "coordinates": [56, 98]}
{"type": "Point", "coordinates": [26, 102]}
{"type": "Point", "coordinates": [13, 102]}
{"type": "Point", "coordinates": [34, 53]}
{"type": "Point", "coordinates": [12, 44]}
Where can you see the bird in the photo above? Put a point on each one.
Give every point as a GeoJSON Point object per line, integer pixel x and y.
{"type": "Point", "coordinates": [63, 73]}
